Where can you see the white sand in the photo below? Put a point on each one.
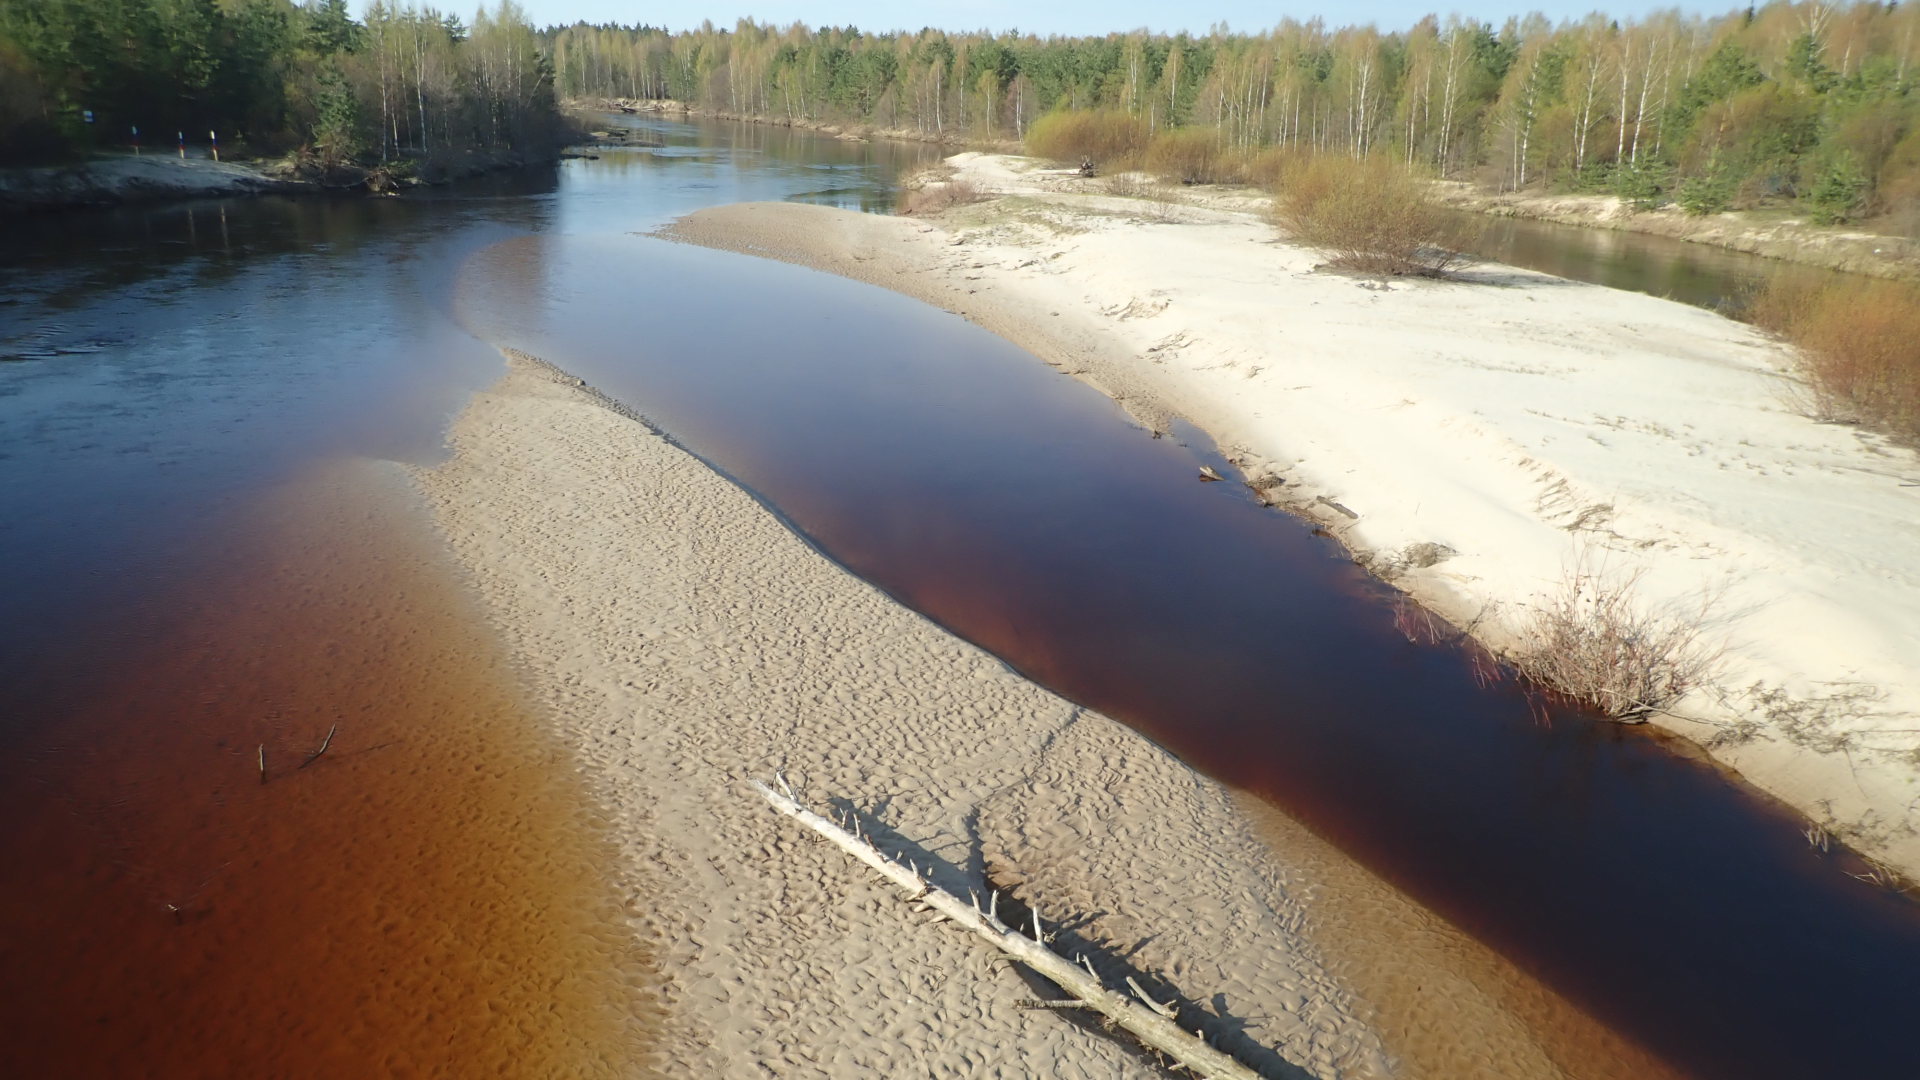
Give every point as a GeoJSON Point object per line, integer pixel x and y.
{"type": "Point", "coordinates": [1527, 423]}
{"type": "Point", "coordinates": [684, 639]}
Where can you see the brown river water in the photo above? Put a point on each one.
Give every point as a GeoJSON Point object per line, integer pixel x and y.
{"type": "Point", "coordinates": [197, 568]}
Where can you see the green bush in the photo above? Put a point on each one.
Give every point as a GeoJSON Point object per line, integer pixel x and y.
{"type": "Point", "coordinates": [335, 130]}
{"type": "Point", "coordinates": [1644, 186]}
{"type": "Point", "coordinates": [1839, 194]}
{"type": "Point", "coordinates": [1711, 193]}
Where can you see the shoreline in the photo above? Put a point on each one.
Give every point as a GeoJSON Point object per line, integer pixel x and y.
{"type": "Point", "coordinates": [685, 639]}
{"type": "Point", "coordinates": [134, 179]}
{"type": "Point", "coordinates": [1485, 484]}
{"type": "Point", "coordinates": [1784, 239]}
{"type": "Point", "coordinates": [130, 178]}
{"type": "Point", "coordinates": [848, 132]}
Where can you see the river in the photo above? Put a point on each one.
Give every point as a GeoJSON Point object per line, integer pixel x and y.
{"type": "Point", "coordinates": [176, 383]}
{"type": "Point", "coordinates": [1716, 278]}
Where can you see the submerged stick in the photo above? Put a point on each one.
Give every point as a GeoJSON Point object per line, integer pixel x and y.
{"type": "Point", "coordinates": [1151, 1023]}
{"type": "Point", "coordinates": [324, 743]}
{"type": "Point", "coordinates": [263, 763]}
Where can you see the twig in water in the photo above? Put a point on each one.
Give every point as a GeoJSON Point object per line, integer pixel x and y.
{"type": "Point", "coordinates": [1880, 876]}
{"type": "Point", "coordinates": [324, 743]}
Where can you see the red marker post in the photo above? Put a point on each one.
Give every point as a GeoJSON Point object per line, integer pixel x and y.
{"type": "Point", "coordinates": [214, 138]}
{"type": "Point", "coordinates": [136, 140]}
{"type": "Point", "coordinates": [182, 136]}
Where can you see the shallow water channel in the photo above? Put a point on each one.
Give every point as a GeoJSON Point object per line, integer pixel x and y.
{"type": "Point", "coordinates": [171, 367]}
{"type": "Point", "coordinates": [1699, 274]}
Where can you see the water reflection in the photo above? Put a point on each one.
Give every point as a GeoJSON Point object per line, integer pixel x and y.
{"type": "Point", "coordinates": [1699, 274]}
{"type": "Point", "coordinates": [686, 166]}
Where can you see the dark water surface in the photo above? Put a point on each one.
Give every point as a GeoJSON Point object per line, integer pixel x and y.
{"type": "Point", "coordinates": [162, 370]}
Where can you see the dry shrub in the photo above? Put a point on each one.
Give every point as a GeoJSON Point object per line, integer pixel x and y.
{"type": "Point", "coordinates": [1158, 200]}
{"type": "Point", "coordinates": [1196, 156]}
{"type": "Point", "coordinates": [1594, 643]}
{"type": "Point", "coordinates": [1190, 156]}
{"type": "Point", "coordinates": [1785, 299]}
{"type": "Point", "coordinates": [1372, 214]}
{"type": "Point", "coordinates": [1264, 168]}
{"type": "Point", "coordinates": [1112, 139]}
{"type": "Point", "coordinates": [937, 196]}
{"type": "Point", "coordinates": [1858, 343]}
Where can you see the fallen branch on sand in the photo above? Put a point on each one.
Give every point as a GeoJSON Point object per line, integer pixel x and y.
{"type": "Point", "coordinates": [1145, 1019]}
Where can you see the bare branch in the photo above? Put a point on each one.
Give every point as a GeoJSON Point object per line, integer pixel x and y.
{"type": "Point", "coordinates": [1146, 1022]}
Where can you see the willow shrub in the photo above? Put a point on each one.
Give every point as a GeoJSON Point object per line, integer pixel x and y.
{"type": "Point", "coordinates": [1858, 342]}
{"type": "Point", "coordinates": [1264, 168]}
{"type": "Point", "coordinates": [1192, 156]}
{"type": "Point", "coordinates": [1111, 139]}
{"type": "Point", "coordinates": [1373, 215]}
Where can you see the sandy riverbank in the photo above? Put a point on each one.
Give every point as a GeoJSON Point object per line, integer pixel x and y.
{"type": "Point", "coordinates": [1472, 441]}
{"type": "Point", "coordinates": [684, 638]}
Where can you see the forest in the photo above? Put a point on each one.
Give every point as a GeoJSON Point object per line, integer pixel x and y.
{"type": "Point", "coordinates": [1805, 103]}
{"type": "Point", "coordinates": [270, 76]}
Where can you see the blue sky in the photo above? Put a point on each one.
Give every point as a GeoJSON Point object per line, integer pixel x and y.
{"type": "Point", "coordinates": [1060, 18]}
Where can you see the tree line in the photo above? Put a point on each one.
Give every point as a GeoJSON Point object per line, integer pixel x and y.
{"type": "Point", "coordinates": [1804, 101]}
{"type": "Point", "coordinates": [406, 81]}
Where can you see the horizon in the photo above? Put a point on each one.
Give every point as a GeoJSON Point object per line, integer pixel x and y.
{"type": "Point", "coordinates": [1067, 20]}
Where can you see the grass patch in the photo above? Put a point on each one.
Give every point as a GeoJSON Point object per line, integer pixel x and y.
{"type": "Point", "coordinates": [1858, 343]}
{"type": "Point", "coordinates": [1373, 215]}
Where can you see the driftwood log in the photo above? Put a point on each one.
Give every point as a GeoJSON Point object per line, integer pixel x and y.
{"type": "Point", "coordinates": [1147, 1020]}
